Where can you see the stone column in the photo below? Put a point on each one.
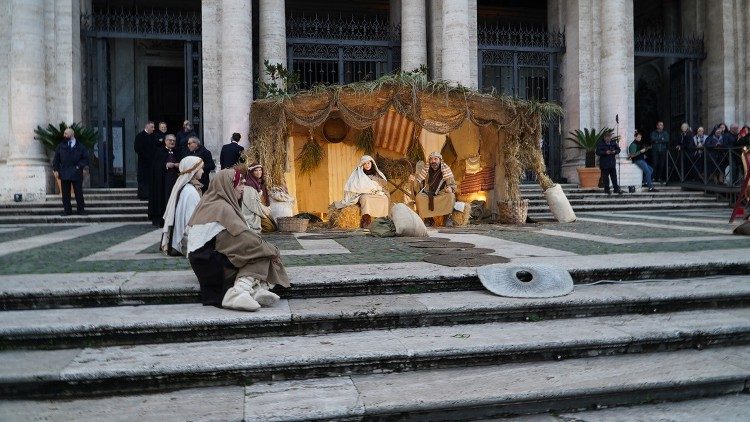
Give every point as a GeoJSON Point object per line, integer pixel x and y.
{"type": "Point", "coordinates": [271, 34]}
{"type": "Point", "coordinates": [211, 63]}
{"type": "Point", "coordinates": [236, 69]}
{"type": "Point", "coordinates": [435, 46]}
{"type": "Point", "coordinates": [456, 55]}
{"type": "Point", "coordinates": [5, 36]}
{"type": "Point", "coordinates": [413, 34]}
{"type": "Point", "coordinates": [27, 162]}
{"type": "Point", "coordinates": [473, 52]}
{"type": "Point", "coordinates": [617, 82]}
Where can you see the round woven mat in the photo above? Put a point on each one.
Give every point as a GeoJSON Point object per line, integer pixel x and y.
{"type": "Point", "coordinates": [463, 245]}
{"type": "Point", "coordinates": [465, 261]}
{"type": "Point", "coordinates": [457, 251]}
{"type": "Point", "coordinates": [423, 239]}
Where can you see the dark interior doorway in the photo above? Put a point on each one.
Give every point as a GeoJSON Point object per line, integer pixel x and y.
{"type": "Point", "coordinates": [166, 96]}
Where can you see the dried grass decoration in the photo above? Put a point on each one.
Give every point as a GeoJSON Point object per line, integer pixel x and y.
{"type": "Point", "coordinates": [415, 152]}
{"type": "Point", "coordinates": [311, 156]}
{"type": "Point", "coordinates": [366, 141]}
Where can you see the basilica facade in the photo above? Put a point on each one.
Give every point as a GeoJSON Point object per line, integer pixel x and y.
{"type": "Point", "coordinates": [114, 65]}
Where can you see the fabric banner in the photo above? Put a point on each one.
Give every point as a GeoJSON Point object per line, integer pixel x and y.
{"type": "Point", "coordinates": [482, 181]}
{"type": "Point", "coordinates": [393, 132]}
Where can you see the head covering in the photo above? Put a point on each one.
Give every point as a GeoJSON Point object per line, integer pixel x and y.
{"type": "Point", "coordinates": [189, 166]}
{"type": "Point", "coordinates": [422, 173]}
{"type": "Point", "coordinates": [436, 154]}
{"type": "Point", "coordinates": [258, 184]}
{"type": "Point", "coordinates": [526, 281]}
{"type": "Point", "coordinates": [220, 205]}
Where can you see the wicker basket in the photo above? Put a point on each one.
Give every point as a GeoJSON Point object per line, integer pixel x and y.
{"type": "Point", "coordinates": [292, 224]}
{"type": "Point", "coordinates": [512, 212]}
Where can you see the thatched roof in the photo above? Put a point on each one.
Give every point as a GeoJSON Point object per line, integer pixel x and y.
{"type": "Point", "coordinates": [433, 105]}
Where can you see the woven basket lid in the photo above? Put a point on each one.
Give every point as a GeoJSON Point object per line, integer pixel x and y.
{"type": "Point", "coordinates": [335, 130]}
{"type": "Point", "coordinates": [526, 281]}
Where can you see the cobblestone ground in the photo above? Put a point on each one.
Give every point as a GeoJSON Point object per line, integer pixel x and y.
{"type": "Point", "coordinates": [37, 249]}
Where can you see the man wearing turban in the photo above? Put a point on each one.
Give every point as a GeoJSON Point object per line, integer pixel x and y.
{"type": "Point", "coordinates": [436, 189]}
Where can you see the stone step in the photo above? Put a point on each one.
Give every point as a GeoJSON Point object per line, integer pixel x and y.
{"type": "Point", "coordinates": [644, 207]}
{"type": "Point", "coordinates": [128, 369]}
{"type": "Point", "coordinates": [79, 327]}
{"type": "Point", "coordinates": [97, 196]}
{"type": "Point", "coordinates": [58, 204]}
{"type": "Point", "coordinates": [46, 291]}
{"type": "Point", "coordinates": [530, 390]}
{"type": "Point", "coordinates": [72, 219]}
{"type": "Point", "coordinates": [94, 211]}
{"type": "Point", "coordinates": [695, 202]}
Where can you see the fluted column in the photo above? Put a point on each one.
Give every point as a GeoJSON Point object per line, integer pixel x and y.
{"type": "Point", "coordinates": [413, 34]}
{"type": "Point", "coordinates": [473, 47]}
{"type": "Point", "coordinates": [272, 34]}
{"type": "Point", "coordinates": [456, 55]}
{"type": "Point", "coordinates": [236, 67]}
{"type": "Point", "coordinates": [617, 81]}
{"type": "Point", "coordinates": [27, 162]}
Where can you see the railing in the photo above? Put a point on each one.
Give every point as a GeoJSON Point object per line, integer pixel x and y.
{"type": "Point", "coordinates": [152, 24]}
{"type": "Point", "coordinates": [718, 170]}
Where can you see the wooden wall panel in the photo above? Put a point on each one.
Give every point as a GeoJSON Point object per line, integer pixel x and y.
{"type": "Point", "coordinates": [342, 158]}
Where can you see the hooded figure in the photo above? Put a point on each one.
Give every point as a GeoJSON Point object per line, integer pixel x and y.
{"type": "Point", "coordinates": [185, 196]}
{"type": "Point", "coordinates": [436, 188]}
{"type": "Point", "coordinates": [365, 186]}
{"type": "Point", "coordinates": [256, 201]}
{"type": "Point", "coordinates": [235, 267]}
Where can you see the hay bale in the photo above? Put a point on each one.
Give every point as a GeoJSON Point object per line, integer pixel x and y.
{"type": "Point", "coordinates": [461, 218]}
{"type": "Point", "coordinates": [345, 218]}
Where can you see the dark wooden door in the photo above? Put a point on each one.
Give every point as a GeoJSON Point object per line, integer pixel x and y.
{"type": "Point", "coordinates": [166, 96]}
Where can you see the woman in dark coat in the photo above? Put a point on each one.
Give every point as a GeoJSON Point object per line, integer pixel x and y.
{"type": "Point", "coordinates": [165, 171]}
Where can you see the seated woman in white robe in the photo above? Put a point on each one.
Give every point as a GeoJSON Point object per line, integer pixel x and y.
{"type": "Point", "coordinates": [366, 187]}
{"type": "Point", "coordinates": [256, 201]}
{"type": "Point", "coordinates": [185, 196]}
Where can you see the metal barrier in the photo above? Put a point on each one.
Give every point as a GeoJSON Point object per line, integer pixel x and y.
{"type": "Point", "coordinates": [716, 170]}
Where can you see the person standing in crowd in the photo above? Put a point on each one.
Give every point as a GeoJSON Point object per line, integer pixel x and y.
{"type": "Point", "coordinates": [231, 152]}
{"type": "Point", "coordinates": [236, 269]}
{"type": "Point", "coordinates": [185, 196]}
{"type": "Point", "coordinates": [637, 153]}
{"type": "Point", "coordinates": [607, 152]}
{"type": "Point", "coordinates": [659, 145]}
{"type": "Point", "coordinates": [144, 146]}
{"type": "Point", "coordinates": [184, 135]}
{"type": "Point", "coordinates": [165, 173]}
{"type": "Point", "coordinates": [729, 137]}
{"type": "Point", "coordinates": [195, 149]}
{"type": "Point", "coordinates": [160, 134]}
{"type": "Point", "coordinates": [694, 154]}
{"type": "Point", "coordinates": [681, 146]}
{"type": "Point", "coordinates": [71, 157]}
{"type": "Point", "coordinates": [715, 141]}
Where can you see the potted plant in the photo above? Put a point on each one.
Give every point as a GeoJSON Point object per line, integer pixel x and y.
{"type": "Point", "coordinates": [52, 135]}
{"type": "Point", "coordinates": [588, 139]}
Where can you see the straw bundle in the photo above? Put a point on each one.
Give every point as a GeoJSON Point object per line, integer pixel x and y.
{"type": "Point", "coordinates": [345, 218]}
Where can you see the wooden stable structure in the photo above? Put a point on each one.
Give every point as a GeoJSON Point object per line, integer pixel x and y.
{"type": "Point", "coordinates": [487, 140]}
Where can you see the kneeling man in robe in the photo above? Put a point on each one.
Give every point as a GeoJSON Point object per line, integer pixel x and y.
{"type": "Point", "coordinates": [436, 189]}
{"type": "Point", "coordinates": [366, 187]}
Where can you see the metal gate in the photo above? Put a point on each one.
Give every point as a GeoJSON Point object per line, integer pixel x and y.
{"type": "Point", "coordinates": [341, 50]}
{"type": "Point", "coordinates": [99, 28]}
{"type": "Point", "coordinates": [523, 62]}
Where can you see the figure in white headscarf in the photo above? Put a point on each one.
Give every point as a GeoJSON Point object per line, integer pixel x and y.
{"type": "Point", "coordinates": [366, 186]}
{"type": "Point", "coordinates": [185, 196]}
{"type": "Point", "coordinates": [437, 189]}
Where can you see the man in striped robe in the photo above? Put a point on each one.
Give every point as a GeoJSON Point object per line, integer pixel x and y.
{"type": "Point", "coordinates": [437, 189]}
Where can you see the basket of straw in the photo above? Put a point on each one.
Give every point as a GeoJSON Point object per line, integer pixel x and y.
{"type": "Point", "coordinates": [513, 212]}
{"type": "Point", "coordinates": [292, 224]}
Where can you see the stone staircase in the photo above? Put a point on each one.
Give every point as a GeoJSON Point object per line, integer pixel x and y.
{"type": "Point", "coordinates": [372, 346]}
{"type": "Point", "coordinates": [108, 205]}
{"type": "Point", "coordinates": [121, 205]}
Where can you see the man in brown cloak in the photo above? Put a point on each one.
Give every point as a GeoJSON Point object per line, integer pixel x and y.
{"type": "Point", "coordinates": [436, 189]}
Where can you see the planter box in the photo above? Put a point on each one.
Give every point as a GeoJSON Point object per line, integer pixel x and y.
{"type": "Point", "coordinates": [588, 177]}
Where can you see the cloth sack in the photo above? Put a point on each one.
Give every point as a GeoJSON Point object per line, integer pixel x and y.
{"type": "Point", "coordinates": [281, 203]}
{"type": "Point", "coordinates": [382, 227]}
{"type": "Point", "coordinates": [559, 204]}
{"type": "Point", "coordinates": [407, 222]}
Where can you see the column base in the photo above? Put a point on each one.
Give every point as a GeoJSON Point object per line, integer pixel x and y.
{"type": "Point", "coordinates": [31, 180]}
{"type": "Point", "coordinates": [629, 175]}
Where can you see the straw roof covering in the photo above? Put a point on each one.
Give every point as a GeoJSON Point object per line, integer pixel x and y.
{"type": "Point", "coordinates": [433, 105]}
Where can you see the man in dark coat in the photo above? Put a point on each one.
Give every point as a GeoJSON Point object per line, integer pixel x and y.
{"type": "Point", "coordinates": [160, 134]}
{"type": "Point", "coordinates": [607, 152]}
{"type": "Point", "coordinates": [183, 136]}
{"type": "Point", "coordinates": [231, 152]}
{"type": "Point", "coordinates": [196, 149]}
{"type": "Point", "coordinates": [145, 146]}
{"type": "Point", "coordinates": [165, 171]}
{"type": "Point", "coordinates": [71, 157]}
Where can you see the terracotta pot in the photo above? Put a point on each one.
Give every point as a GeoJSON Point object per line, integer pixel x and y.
{"type": "Point", "coordinates": [588, 177]}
